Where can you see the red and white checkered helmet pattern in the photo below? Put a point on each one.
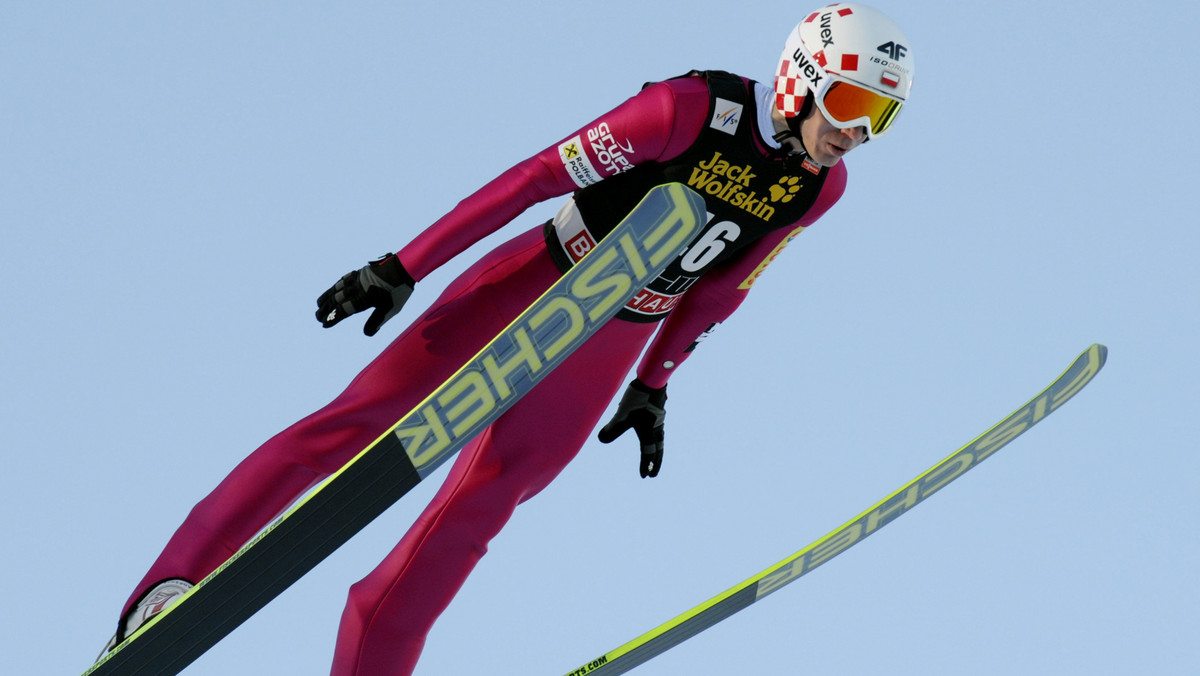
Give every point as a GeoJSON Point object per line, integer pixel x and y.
{"type": "Point", "coordinates": [850, 41]}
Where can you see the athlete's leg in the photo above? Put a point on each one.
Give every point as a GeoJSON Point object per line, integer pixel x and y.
{"type": "Point", "coordinates": [389, 612]}
{"type": "Point", "coordinates": [470, 312]}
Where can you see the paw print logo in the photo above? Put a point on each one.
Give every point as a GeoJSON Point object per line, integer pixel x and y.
{"type": "Point", "coordinates": [785, 189]}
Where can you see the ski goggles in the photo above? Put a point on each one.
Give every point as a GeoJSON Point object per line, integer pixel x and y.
{"type": "Point", "coordinates": [847, 105]}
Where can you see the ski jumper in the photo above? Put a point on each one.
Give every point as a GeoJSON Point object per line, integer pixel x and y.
{"type": "Point", "coordinates": [711, 131]}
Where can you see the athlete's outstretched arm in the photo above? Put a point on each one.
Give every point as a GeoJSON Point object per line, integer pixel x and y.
{"type": "Point", "coordinates": [656, 124]}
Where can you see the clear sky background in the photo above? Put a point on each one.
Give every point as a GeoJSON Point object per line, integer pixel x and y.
{"type": "Point", "coordinates": [179, 181]}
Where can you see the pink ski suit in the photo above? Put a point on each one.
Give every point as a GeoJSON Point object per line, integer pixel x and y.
{"type": "Point", "coordinates": [389, 613]}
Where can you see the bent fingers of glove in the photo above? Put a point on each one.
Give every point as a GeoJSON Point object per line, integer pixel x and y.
{"type": "Point", "coordinates": [383, 284]}
{"type": "Point", "coordinates": [651, 440]}
{"type": "Point", "coordinates": [339, 301]}
{"type": "Point", "coordinates": [651, 463]}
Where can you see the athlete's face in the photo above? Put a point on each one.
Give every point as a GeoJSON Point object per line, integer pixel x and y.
{"type": "Point", "coordinates": [826, 143]}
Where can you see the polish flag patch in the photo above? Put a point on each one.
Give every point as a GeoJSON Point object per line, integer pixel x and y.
{"type": "Point", "coordinates": [890, 79]}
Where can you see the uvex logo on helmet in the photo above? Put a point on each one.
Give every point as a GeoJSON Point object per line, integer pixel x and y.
{"type": "Point", "coordinates": [807, 67]}
{"type": "Point", "coordinates": [826, 30]}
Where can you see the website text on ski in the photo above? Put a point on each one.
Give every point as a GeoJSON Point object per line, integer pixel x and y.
{"type": "Point", "coordinates": [766, 159]}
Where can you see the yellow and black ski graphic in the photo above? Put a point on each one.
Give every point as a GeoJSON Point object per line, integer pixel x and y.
{"type": "Point", "coordinates": [545, 334]}
{"type": "Point", "coordinates": [671, 633]}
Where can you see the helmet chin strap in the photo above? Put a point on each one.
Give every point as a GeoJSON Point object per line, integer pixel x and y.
{"type": "Point", "coordinates": [787, 134]}
{"type": "Point", "coordinates": [793, 126]}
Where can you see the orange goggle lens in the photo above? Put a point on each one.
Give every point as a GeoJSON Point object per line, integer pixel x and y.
{"type": "Point", "coordinates": [846, 102]}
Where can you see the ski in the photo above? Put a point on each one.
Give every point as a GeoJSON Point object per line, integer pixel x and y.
{"type": "Point", "coordinates": [712, 611]}
{"type": "Point", "coordinates": [542, 337]}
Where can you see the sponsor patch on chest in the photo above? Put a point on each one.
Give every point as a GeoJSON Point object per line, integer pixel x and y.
{"type": "Point", "coordinates": [726, 116]}
{"type": "Point", "coordinates": [738, 185]}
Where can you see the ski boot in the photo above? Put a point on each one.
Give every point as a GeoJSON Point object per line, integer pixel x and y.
{"type": "Point", "coordinates": [153, 602]}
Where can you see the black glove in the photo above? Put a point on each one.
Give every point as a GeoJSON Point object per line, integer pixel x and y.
{"type": "Point", "coordinates": [383, 284]}
{"type": "Point", "coordinates": [643, 408]}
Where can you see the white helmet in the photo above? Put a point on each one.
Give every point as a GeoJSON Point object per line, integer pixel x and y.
{"type": "Point", "coordinates": [854, 61]}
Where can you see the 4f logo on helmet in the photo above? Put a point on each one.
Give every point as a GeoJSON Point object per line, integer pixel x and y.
{"type": "Point", "coordinates": [894, 50]}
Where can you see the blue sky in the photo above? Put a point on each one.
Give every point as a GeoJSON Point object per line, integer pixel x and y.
{"type": "Point", "coordinates": [179, 181]}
